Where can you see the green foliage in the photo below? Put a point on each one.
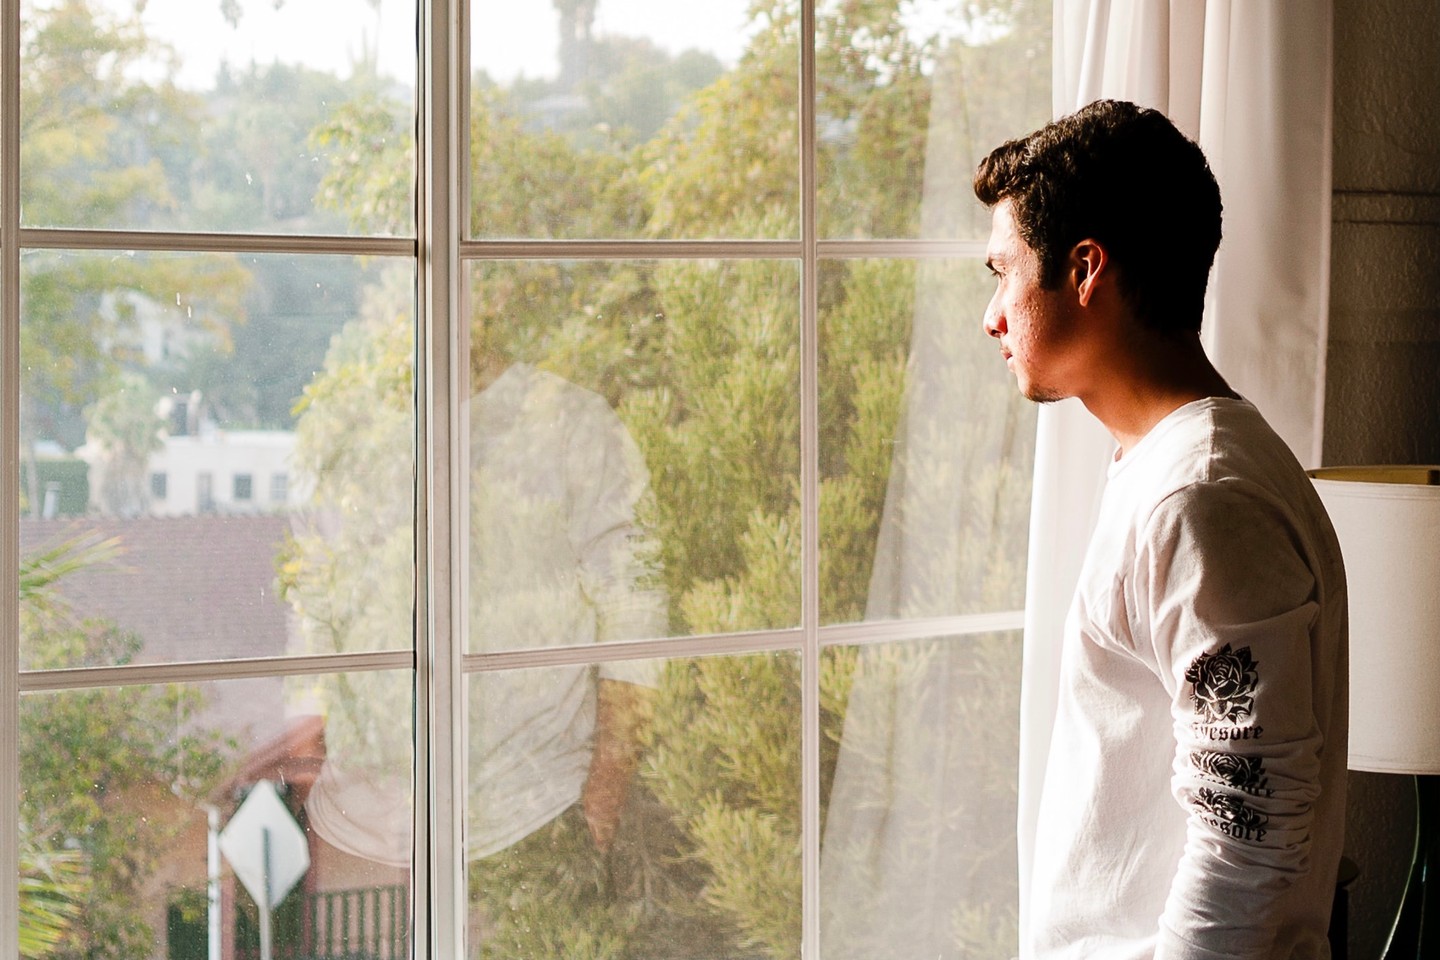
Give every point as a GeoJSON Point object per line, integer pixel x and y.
{"type": "Point", "coordinates": [292, 308]}
{"type": "Point", "coordinates": [874, 105]}
{"type": "Point", "coordinates": [257, 165]}
{"type": "Point", "coordinates": [760, 883]}
{"type": "Point", "coordinates": [721, 433]}
{"type": "Point", "coordinates": [124, 428]}
{"type": "Point", "coordinates": [80, 88]}
{"type": "Point", "coordinates": [532, 183]}
{"type": "Point", "coordinates": [725, 165]}
{"type": "Point", "coordinates": [78, 91]}
{"type": "Point", "coordinates": [549, 895]}
{"type": "Point", "coordinates": [723, 756]}
{"type": "Point", "coordinates": [351, 571]}
{"type": "Point", "coordinates": [42, 570]}
{"type": "Point", "coordinates": [53, 885]}
{"type": "Point", "coordinates": [370, 177]}
{"type": "Point", "coordinates": [862, 383]}
{"type": "Point", "coordinates": [355, 440]}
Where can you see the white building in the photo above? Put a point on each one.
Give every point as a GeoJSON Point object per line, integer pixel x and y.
{"type": "Point", "coordinates": [223, 471]}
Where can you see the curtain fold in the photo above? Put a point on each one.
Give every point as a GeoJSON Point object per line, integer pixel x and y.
{"type": "Point", "coordinates": [1251, 82]}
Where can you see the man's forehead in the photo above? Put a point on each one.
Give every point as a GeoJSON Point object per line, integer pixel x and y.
{"type": "Point", "coordinates": [1003, 236]}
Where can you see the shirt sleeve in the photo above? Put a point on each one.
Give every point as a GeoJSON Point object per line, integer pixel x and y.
{"type": "Point", "coordinates": [1227, 600]}
{"type": "Point", "coordinates": [619, 559]}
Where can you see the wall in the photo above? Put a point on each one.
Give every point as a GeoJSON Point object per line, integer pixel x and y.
{"type": "Point", "coordinates": [1382, 400]}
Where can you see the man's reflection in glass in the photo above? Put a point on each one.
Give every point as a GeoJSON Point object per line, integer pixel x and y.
{"type": "Point", "coordinates": [557, 557]}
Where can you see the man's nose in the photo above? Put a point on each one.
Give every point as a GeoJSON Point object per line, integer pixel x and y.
{"type": "Point", "coordinates": [994, 321]}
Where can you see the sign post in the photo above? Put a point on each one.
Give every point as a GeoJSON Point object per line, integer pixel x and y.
{"type": "Point", "coordinates": [268, 852]}
{"type": "Point", "coordinates": [267, 936]}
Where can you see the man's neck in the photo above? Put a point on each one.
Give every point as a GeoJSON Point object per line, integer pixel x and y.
{"type": "Point", "coordinates": [1150, 379]}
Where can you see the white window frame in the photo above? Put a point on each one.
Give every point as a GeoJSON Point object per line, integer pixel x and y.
{"type": "Point", "coordinates": [438, 659]}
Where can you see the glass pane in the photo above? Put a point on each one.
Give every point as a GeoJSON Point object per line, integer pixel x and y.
{"type": "Point", "coordinates": [122, 789]}
{"type": "Point", "coordinates": [925, 446]}
{"type": "Point", "coordinates": [920, 744]}
{"type": "Point", "coordinates": [241, 115]}
{"type": "Point", "coordinates": [911, 97]}
{"type": "Point", "coordinates": [217, 455]}
{"type": "Point", "coordinates": [634, 437]}
{"type": "Point", "coordinates": [634, 118]}
{"type": "Point", "coordinates": [644, 809]}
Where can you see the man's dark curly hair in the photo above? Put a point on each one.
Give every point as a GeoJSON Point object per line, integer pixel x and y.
{"type": "Point", "coordinates": [1124, 176]}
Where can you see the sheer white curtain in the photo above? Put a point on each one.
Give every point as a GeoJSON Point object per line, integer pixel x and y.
{"type": "Point", "coordinates": [1251, 82]}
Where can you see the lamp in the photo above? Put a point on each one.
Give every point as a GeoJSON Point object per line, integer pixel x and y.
{"type": "Point", "coordinates": [1388, 522]}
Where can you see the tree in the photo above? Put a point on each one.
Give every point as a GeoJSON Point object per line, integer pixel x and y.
{"type": "Point", "coordinates": [92, 136]}
{"type": "Point", "coordinates": [253, 168]}
{"type": "Point", "coordinates": [349, 570]}
{"type": "Point", "coordinates": [258, 165]}
{"type": "Point", "coordinates": [124, 429]}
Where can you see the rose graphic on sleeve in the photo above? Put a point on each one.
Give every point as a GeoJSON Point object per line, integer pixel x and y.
{"type": "Point", "coordinates": [1230, 809]}
{"type": "Point", "coordinates": [1243, 773]}
{"type": "Point", "coordinates": [1224, 684]}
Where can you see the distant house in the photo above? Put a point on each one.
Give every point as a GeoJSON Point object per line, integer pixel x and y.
{"type": "Point", "coordinates": [210, 472]}
{"type": "Point", "coordinates": [223, 471]}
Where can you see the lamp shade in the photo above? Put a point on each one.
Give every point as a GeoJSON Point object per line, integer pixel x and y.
{"type": "Point", "coordinates": [1388, 522]}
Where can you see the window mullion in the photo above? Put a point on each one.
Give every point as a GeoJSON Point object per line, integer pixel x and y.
{"type": "Point", "coordinates": [809, 500]}
{"type": "Point", "coordinates": [439, 858]}
{"type": "Point", "coordinates": [192, 241]}
{"type": "Point", "coordinates": [10, 463]}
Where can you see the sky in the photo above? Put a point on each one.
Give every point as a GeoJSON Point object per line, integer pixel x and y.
{"type": "Point", "coordinates": [510, 37]}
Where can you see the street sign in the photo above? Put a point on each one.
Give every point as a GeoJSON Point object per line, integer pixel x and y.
{"type": "Point", "coordinates": [265, 846]}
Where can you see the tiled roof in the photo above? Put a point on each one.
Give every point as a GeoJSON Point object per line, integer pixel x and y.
{"type": "Point", "coordinates": [292, 757]}
{"type": "Point", "coordinates": [193, 588]}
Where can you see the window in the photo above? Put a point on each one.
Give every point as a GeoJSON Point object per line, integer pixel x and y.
{"type": "Point", "coordinates": [673, 485]}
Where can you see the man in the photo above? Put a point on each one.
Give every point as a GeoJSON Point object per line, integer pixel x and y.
{"type": "Point", "coordinates": [1193, 803]}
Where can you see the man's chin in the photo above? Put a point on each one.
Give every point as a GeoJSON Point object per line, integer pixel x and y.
{"type": "Point", "coordinates": [1038, 394]}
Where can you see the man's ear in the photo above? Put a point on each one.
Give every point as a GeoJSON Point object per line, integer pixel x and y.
{"type": "Point", "coordinates": [1089, 268]}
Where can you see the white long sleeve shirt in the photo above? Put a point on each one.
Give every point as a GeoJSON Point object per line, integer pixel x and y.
{"type": "Point", "coordinates": [1194, 797]}
{"type": "Point", "coordinates": [557, 556]}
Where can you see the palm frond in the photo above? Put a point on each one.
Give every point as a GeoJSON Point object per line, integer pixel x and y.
{"type": "Point", "coordinates": [53, 884]}
{"type": "Point", "coordinates": [40, 571]}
